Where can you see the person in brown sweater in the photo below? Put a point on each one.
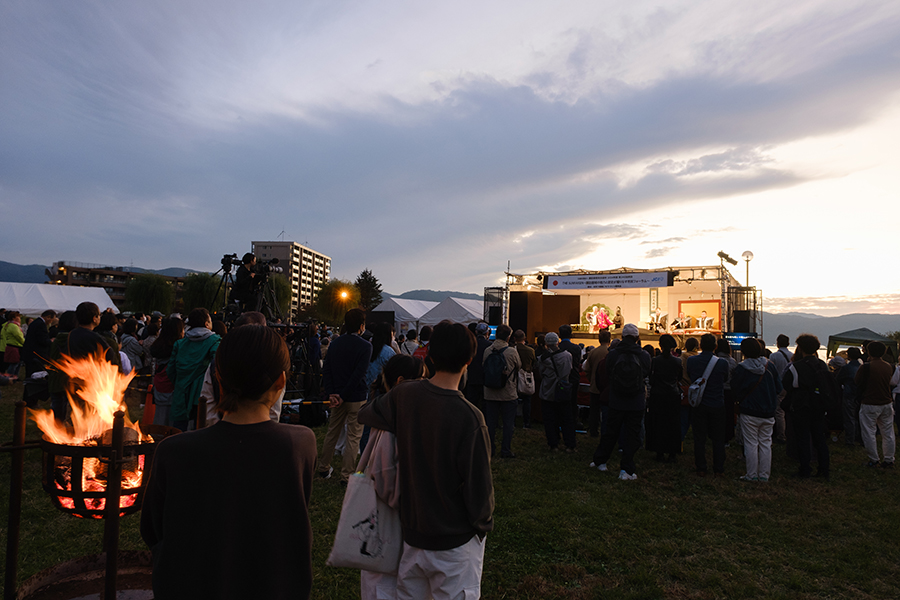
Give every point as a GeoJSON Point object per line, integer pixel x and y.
{"type": "Point", "coordinates": [873, 380]}
{"type": "Point", "coordinates": [599, 381]}
{"type": "Point", "coordinates": [446, 487]}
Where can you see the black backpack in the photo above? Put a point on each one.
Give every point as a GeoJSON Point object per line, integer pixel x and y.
{"type": "Point", "coordinates": [628, 375]}
{"type": "Point", "coordinates": [495, 375]}
{"type": "Point", "coordinates": [829, 394]}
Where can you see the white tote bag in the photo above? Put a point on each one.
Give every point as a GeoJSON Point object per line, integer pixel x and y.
{"type": "Point", "coordinates": [368, 533]}
{"type": "Point", "coordinates": [526, 383]}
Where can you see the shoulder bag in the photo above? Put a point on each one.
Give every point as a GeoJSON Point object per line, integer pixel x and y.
{"type": "Point", "coordinates": [695, 391]}
{"type": "Point", "coordinates": [368, 534]}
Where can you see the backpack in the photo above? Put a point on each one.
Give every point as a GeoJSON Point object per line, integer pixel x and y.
{"type": "Point", "coordinates": [562, 391]}
{"type": "Point", "coordinates": [819, 392]}
{"type": "Point", "coordinates": [628, 375]}
{"type": "Point", "coordinates": [829, 396]}
{"type": "Point", "coordinates": [495, 375]}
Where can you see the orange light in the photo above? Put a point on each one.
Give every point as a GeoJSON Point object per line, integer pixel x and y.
{"type": "Point", "coordinates": [343, 294]}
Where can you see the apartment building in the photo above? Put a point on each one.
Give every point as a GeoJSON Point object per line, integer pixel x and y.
{"type": "Point", "coordinates": [112, 279]}
{"type": "Point", "coordinates": [305, 269]}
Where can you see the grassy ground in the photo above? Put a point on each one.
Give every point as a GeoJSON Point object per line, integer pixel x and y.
{"type": "Point", "coordinates": [565, 531]}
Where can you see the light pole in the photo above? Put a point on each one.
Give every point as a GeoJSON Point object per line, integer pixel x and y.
{"type": "Point", "coordinates": [747, 256]}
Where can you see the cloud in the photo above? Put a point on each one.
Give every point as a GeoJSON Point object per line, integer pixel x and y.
{"type": "Point", "coordinates": [658, 252]}
{"type": "Point", "coordinates": [179, 145]}
{"type": "Point", "coordinates": [830, 306]}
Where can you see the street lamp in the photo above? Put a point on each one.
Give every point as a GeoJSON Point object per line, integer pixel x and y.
{"type": "Point", "coordinates": [747, 256]}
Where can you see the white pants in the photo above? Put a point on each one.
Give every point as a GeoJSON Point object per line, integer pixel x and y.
{"type": "Point", "coordinates": [377, 586]}
{"type": "Point", "coordinates": [881, 415]}
{"type": "Point", "coordinates": [757, 434]}
{"type": "Point", "coordinates": [441, 574]}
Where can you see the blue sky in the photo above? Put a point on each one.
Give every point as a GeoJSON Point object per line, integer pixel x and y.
{"type": "Point", "coordinates": [434, 143]}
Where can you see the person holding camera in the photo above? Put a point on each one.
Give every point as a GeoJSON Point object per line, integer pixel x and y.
{"type": "Point", "coordinates": [246, 291]}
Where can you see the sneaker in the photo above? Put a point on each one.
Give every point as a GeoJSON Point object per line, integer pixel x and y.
{"type": "Point", "coordinates": [745, 478]}
{"type": "Point", "coordinates": [626, 477]}
{"type": "Point", "coordinates": [326, 474]}
{"type": "Point", "coordinates": [763, 480]}
{"type": "Point", "coordinates": [888, 465]}
{"type": "Point", "coordinates": [873, 463]}
{"type": "Point", "coordinates": [602, 468]}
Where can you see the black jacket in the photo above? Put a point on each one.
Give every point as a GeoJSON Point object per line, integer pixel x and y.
{"type": "Point", "coordinates": [616, 400]}
{"type": "Point", "coordinates": [37, 341]}
{"type": "Point", "coordinates": [575, 351]}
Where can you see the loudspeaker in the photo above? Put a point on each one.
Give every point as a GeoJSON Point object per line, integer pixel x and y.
{"type": "Point", "coordinates": [494, 315]}
{"type": "Point", "coordinates": [742, 321]}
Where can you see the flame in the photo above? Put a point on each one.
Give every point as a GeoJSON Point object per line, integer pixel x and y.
{"type": "Point", "coordinates": [96, 391]}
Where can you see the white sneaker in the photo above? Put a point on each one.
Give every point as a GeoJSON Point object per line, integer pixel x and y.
{"type": "Point", "coordinates": [592, 465]}
{"type": "Point", "coordinates": [626, 477]}
{"type": "Point", "coordinates": [602, 467]}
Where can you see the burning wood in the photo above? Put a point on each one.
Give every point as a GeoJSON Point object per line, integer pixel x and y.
{"type": "Point", "coordinates": [96, 391]}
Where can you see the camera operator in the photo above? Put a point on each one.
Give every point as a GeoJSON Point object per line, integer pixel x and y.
{"type": "Point", "coordinates": [246, 288]}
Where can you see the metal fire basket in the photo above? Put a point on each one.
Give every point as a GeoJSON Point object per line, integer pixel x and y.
{"type": "Point", "coordinates": [64, 466]}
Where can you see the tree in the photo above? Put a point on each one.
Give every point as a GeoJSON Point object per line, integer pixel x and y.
{"type": "Point", "coordinates": [200, 290]}
{"type": "Point", "coordinates": [369, 290]}
{"type": "Point", "coordinates": [147, 292]}
{"type": "Point", "coordinates": [894, 335]}
{"type": "Point", "coordinates": [334, 299]}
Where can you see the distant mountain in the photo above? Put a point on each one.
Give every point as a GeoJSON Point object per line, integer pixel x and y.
{"type": "Point", "coordinates": [170, 272]}
{"type": "Point", "coordinates": [793, 324]}
{"type": "Point", "coordinates": [13, 273]}
{"type": "Point", "coordinates": [432, 295]}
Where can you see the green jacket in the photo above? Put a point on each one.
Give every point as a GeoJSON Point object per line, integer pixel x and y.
{"type": "Point", "coordinates": [11, 334]}
{"type": "Point", "coordinates": [191, 356]}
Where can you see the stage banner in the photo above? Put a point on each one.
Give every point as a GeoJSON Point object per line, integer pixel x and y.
{"type": "Point", "coordinates": [598, 281]}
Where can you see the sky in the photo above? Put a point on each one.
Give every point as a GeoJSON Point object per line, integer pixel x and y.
{"type": "Point", "coordinates": [435, 143]}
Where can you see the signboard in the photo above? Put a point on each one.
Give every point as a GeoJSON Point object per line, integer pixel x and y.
{"type": "Point", "coordinates": [734, 339]}
{"type": "Point", "coordinates": [604, 281]}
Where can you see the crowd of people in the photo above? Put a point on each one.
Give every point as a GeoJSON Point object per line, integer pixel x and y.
{"type": "Point", "coordinates": [432, 404]}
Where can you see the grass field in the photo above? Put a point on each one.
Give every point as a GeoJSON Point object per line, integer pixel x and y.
{"type": "Point", "coordinates": [563, 530]}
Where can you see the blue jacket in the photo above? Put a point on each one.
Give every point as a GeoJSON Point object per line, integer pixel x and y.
{"type": "Point", "coordinates": [758, 397]}
{"type": "Point", "coordinates": [714, 394]}
{"type": "Point", "coordinates": [846, 378]}
{"type": "Point", "coordinates": [346, 363]}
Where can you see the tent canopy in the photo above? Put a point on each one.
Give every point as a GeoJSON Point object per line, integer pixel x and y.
{"type": "Point", "coordinates": [31, 299]}
{"type": "Point", "coordinates": [458, 310]}
{"type": "Point", "coordinates": [857, 337]}
{"type": "Point", "coordinates": [406, 310]}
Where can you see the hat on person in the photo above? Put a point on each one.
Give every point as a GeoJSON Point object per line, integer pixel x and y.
{"type": "Point", "coordinates": [481, 328]}
{"type": "Point", "coordinates": [837, 362]}
{"type": "Point", "coordinates": [551, 339]}
{"type": "Point", "coordinates": [630, 330]}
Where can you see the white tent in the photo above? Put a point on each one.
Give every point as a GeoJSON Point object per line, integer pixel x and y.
{"type": "Point", "coordinates": [31, 299]}
{"type": "Point", "coordinates": [458, 310]}
{"type": "Point", "coordinates": [406, 312]}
